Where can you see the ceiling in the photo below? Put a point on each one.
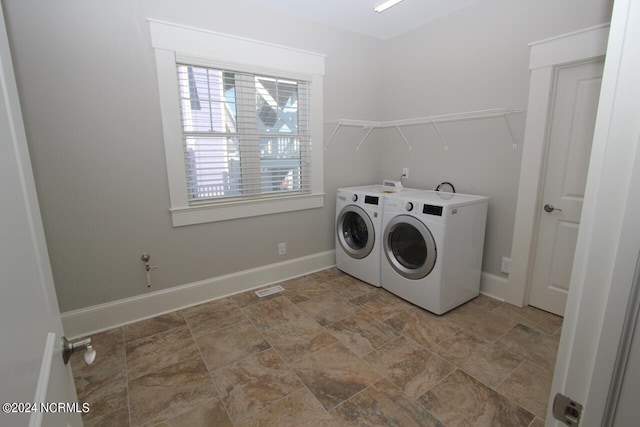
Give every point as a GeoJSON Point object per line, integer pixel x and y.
{"type": "Point", "coordinates": [358, 15]}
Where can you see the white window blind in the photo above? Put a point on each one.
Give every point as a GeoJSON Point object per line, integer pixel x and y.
{"type": "Point", "coordinates": [239, 121]}
{"type": "Point", "coordinates": [245, 136]}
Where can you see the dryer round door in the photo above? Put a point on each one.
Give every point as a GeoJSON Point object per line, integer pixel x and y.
{"type": "Point", "coordinates": [409, 247]}
{"type": "Point", "coordinates": [355, 231]}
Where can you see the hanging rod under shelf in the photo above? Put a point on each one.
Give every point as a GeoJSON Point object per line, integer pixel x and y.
{"type": "Point", "coordinates": [442, 118]}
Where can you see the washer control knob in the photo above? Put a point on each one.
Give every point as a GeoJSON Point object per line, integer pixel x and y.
{"type": "Point", "coordinates": [354, 198]}
{"type": "Point", "coordinates": [408, 206]}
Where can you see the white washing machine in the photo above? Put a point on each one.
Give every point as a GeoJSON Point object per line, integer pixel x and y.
{"type": "Point", "coordinates": [359, 228]}
{"type": "Point", "coordinates": [432, 245]}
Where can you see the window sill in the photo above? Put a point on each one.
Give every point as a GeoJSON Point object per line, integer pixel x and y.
{"type": "Point", "coordinates": [243, 209]}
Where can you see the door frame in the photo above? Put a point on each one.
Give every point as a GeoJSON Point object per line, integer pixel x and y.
{"type": "Point", "coordinates": [601, 291]}
{"type": "Point", "coordinates": [544, 58]}
{"type": "Point", "coordinates": [28, 302]}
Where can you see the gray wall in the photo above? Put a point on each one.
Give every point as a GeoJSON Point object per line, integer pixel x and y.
{"type": "Point", "coordinates": [86, 77]}
{"type": "Point", "coordinates": [87, 81]}
{"type": "Point", "coordinates": [474, 59]}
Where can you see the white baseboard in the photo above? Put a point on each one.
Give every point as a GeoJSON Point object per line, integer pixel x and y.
{"type": "Point", "coordinates": [90, 320]}
{"type": "Point", "coordinates": [493, 286]}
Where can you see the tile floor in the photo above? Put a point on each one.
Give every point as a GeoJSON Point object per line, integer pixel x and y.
{"type": "Point", "coordinates": [328, 351]}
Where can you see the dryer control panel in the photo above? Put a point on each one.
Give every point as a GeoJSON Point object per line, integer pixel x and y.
{"type": "Point", "coordinates": [371, 200]}
{"type": "Point", "coordinates": [432, 210]}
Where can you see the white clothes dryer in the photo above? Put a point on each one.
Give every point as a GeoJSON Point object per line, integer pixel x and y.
{"type": "Point", "coordinates": [359, 228]}
{"type": "Point", "coordinates": [432, 245]}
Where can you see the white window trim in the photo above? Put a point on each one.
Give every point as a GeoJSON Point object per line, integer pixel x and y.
{"type": "Point", "coordinates": [174, 43]}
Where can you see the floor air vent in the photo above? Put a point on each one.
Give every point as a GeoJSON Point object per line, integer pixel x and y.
{"type": "Point", "coordinates": [269, 291]}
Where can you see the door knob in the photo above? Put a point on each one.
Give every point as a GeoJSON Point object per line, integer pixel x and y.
{"type": "Point", "coordinates": [550, 208]}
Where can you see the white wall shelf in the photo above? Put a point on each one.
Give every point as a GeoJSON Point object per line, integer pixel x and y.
{"type": "Point", "coordinates": [370, 125]}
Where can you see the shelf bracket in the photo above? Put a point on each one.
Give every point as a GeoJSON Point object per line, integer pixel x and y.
{"type": "Point", "coordinates": [365, 137]}
{"type": "Point", "coordinates": [513, 137]}
{"type": "Point", "coordinates": [444, 141]}
{"type": "Point", "coordinates": [332, 135]}
{"type": "Point", "coordinates": [403, 137]}
{"type": "Point", "coordinates": [433, 120]}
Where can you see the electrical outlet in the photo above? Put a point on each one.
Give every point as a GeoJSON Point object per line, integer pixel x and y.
{"type": "Point", "coordinates": [405, 172]}
{"type": "Point", "coordinates": [282, 248]}
{"type": "Point", "coordinates": [505, 267]}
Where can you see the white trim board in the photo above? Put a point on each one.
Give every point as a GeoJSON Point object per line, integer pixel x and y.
{"type": "Point", "coordinates": [102, 317]}
{"type": "Point", "coordinates": [493, 286]}
{"type": "Point", "coordinates": [199, 42]}
{"type": "Point", "coordinates": [174, 43]}
{"type": "Point", "coordinates": [90, 320]}
{"type": "Point", "coordinates": [571, 47]}
{"type": "Point", "coordinates": [545, 56]}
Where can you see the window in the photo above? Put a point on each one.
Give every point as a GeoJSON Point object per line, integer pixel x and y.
{"type": "Point", "coordinates": [244, 135]}
{"type": "Point", "coordinates": [240, 118]}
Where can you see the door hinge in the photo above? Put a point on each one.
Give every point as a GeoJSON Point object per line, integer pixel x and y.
{"type": "Point", "coordinates": [566, 410]}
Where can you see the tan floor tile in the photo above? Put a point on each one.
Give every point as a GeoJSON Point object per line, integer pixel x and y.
{"type": "Point", "coordinates": [299, 409]}
{"type": "Point", "coordinates": [544, 321]}
{"type": "Point", "coordinates": [205, 323]}
{"type": "Point", "coordinates": [245, 299]}
{"type": "Point", "coordinates": [423, 327]}
{"type": "Point", "coordinates": [221, 304]}
{"type": "Point", "coordinates": [484, 302]}
{"type": "Point", "coordinates": [230, 344]}
{"type": "Point", "coordinates": [334, 374]}
{"type": "Point", "coordinates": [327, 308]}
{"type": "Point", "coordinates": [537, 423]}
{"type": "Point", "coordinates": [382, 404]}
{"type": "Point", "coordinates": [381, 304]}
{"type": "Point", "coordinates": [255, 383]}
{"type": "Point", "coordinates": [301, 294]}
{"type": "Point", "coordinates": [530, 316]}
{"type": "Point", "coordinates": [170, 391]}
{"type": "Point", "coordinates": [531, 344]}
{"type": "Point", "coordinates": [362, 333]}
{"type": "Point", "coordinates": [118, 418]}
{"type": "Point", "coordinates": [300, 282]}
{"type": "Point", "coordinates": [485, 324]}
{"type": "Point", "coordinates": [529, 386]}
{"type": "Point", "coordinates": [103, 384]}
{"type": "Point", "coordinates": [272, 313]}
{"type": "Point", "coordinates": [158, 351]}
{"type": "Point", "coordinates": [105, 398]}
{"type": "Point", "coordinates": [328, 274]}
{"type": "Point", "coordinates": [349, 287]}
{"type": "Point", "coordinates": [460, 400]}
{"type": "Point", "coordinates": [211, 413]}
{"type": "Point", "coordinates": [297, 339]}
{"type": "Point", "coordinates": [409, 366]}
{"type": "Point", "coordinates": [183, 393]}
{"type": "Point", "coordinates": [212, 315]}
{"type": "Point", "coordinates": [487, 362]}
{"type": "Point", "coordinates": [152, 326]}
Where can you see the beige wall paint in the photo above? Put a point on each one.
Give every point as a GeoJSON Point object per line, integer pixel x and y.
{"type": "Point", "coordinates": [88, 89]}
{"type": "Point", "coordinates": [473, 59]}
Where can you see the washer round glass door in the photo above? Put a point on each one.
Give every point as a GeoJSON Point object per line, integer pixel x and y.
{"type": "Point", "coordinates": [355, 231]}
{"type": "Point", "coordinates": [409, 247]}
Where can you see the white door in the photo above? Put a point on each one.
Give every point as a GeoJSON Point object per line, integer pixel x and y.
{"type": "Point", "coordinates": [602, 300]}
{"type": "Point", "coordinates": [570, 134]}
{"type": "Point", "coordinates": [31, 365]}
